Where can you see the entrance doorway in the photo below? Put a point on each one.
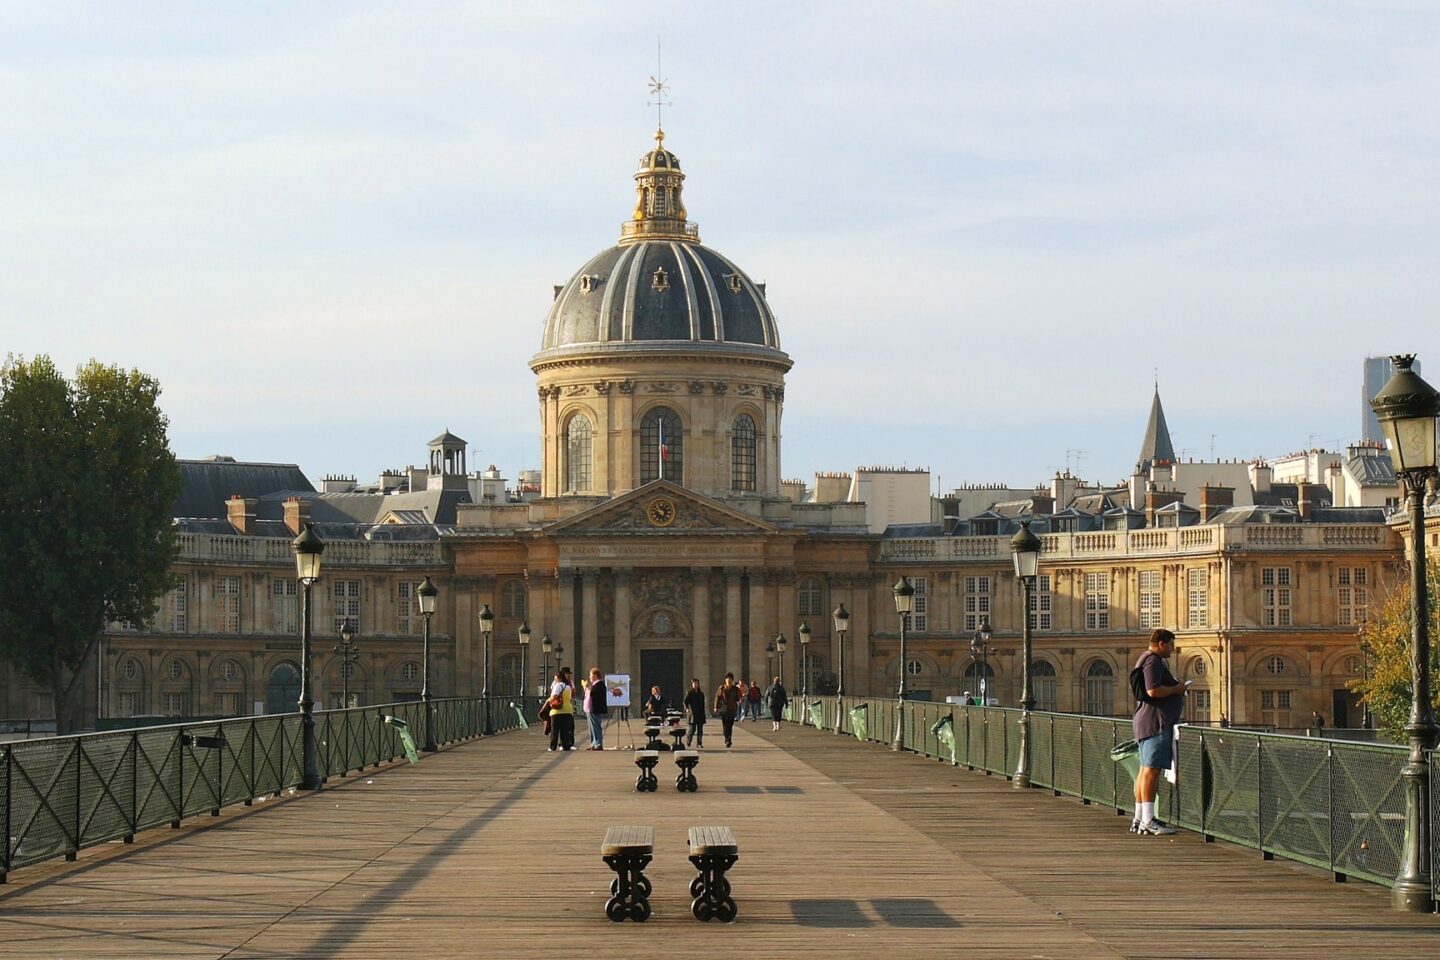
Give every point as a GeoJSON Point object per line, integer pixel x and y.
{"type": "Point", "coordinates": [282, 693]}
{"type": "Point", "coordinates": [1346, 709]}
{"type": "Point", "coordinates": [665, 668]}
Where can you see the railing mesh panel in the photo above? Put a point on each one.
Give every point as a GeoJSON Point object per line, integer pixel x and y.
{"type": "Point", "coordinates": [1369, 819]}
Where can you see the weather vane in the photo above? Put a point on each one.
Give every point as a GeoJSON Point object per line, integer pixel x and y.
{"type": "Point", "coordinates": [658, 89]}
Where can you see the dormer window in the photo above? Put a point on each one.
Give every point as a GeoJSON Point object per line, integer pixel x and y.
{"type": "Point", "coordinates": [587, 283]}
{"type": "Point", "coordinates": [661, 281]}
{"type": "Point", "coordinates": [733, 282]}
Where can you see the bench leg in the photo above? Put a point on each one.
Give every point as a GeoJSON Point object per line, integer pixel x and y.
{"type": "Point", "coordinates": [647, 781]}
{"type": "Point", "coordinates": [630, 890]}
{"type": "Point", "coordinates": [685, 780]}
{"type": "Point", "coordinates": [711, 890]}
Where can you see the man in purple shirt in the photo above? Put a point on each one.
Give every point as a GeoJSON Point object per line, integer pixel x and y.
{"type": "Point", "coordinates": [1155, 718]}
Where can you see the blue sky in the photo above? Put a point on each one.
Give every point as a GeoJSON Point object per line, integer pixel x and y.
{"type": "Point", "coordinates": [331, 229]}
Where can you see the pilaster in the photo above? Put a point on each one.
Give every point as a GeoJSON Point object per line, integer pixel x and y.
{"type": "Point", "coordinates": [700, 614]}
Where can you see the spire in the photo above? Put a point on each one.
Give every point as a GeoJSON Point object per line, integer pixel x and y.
{"type": "Point", "coordinates": [659, 210]}
{"type": "Point", "coordinates": [1156, 447]}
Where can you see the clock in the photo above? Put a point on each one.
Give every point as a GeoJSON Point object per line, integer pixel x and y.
{"type": "Point", "coordinates": [660, 512]}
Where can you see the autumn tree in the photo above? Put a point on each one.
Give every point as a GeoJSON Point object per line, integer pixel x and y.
{"type": "Point", "coordinates": [85, 515]}
{"type": "Point", "coordinates": [1385, 640]}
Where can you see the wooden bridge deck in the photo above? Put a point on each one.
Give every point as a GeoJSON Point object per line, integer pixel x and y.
{"type": "Point", "coordinates": [492, 848]}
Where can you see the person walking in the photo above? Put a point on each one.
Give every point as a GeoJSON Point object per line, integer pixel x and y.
{"type": "Point", "coordinates": [1160, 701]}
{"type": "Point", "coordinates": [727, 704]}
{"type": "Point", "coordinates": [595, 708]}
{"type": "Point", "coordinates": [562, 712]}
{"type": "Point", "coordinates": [695, 715]}
{"type": "Point", "coordinates": [1317, 721]}
{"type": "Point", "coordinates": [754, 701]}
{"type": "Point", "coordinates": [777, 699]}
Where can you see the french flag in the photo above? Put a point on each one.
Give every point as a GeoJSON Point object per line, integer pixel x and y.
{"type": "Point", "coordinates": [664, 448]}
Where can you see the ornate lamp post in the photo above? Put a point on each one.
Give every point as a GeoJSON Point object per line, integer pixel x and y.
{"type": "Point", "coordinates": [427, 593]}
{"type": "Point", "coordinates": [308, 548]}
{"type": "Point", "coordinates": [1025, 547]}
{"type": "Point", "coordinates": [804, 682]}
{"type": "Point", "coordinates": [545, 647]}
{"type": "Point", "coordinates": [980, 650]}
{"type": "Point", "coordinates": [769, 660]}
{"type": "Point", "coordinates": [349, 654]}
{"type": "Point", "coordinates": [1406, 408]}
{"type": "Point", "coordinates": [841, 620]}
{"type": "Point", "coordinates": [780, 656]}
{"type": "Point", "coordinates": [904, 603]}
{"type": "Point", "coordinates": [524, 649]}
{"type": "Point", "coordinates": [487, 624]}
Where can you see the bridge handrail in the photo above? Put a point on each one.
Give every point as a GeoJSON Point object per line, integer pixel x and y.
{"type": "Point", "coordinates": [62, 794]}
{"type": "Point", "coordinates": [1334, 804]}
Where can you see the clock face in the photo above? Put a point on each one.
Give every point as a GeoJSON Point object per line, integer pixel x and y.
{"type": "Point", "coordinates": [660, 512]}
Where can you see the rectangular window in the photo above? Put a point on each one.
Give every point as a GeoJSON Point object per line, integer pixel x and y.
{"type": "Point", "coordinates": [346, 596]}
{"type": "Point", "coordinates": [977, 602]}
{"type": "Point", "coordinates": [227, 604]}
{"type": "Point", "coordinates": [284, 607]}
{"type": "Point", "coordinates": [175, 704]}
{"type": "Point", "coordinates": [128, 703]}
{"type": "Point", "coordinates": [919, 619]}
{"type": "Point", "coordinates": [1041, 604]}
{"type": "Point", "coordinates": [1149, 599]}
{"type": "Point", "coordinates": [177, 617]}
{"type": "Point", "coordinates": [1275, 707]}
{"type": "Point", "coordinates": [227, 704]}
{"type": "Point", "coordinates": [44, 706]}
{"type": "Point", "coordinates": [1197, 597]}
{"type": "Point", "coordinates": [1198, 707]}
{"type": "Point", "coordinates": [1275, 596]}
{"type": "Point", "coordinates": [407, 609]}
{"type": "Point", "coordinates": [1097, 601]}
{"type": "Point", "coordinates": [1352, 595]}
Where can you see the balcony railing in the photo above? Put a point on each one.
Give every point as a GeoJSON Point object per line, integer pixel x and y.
{"type": "Point", "coordinates": [215, 548]}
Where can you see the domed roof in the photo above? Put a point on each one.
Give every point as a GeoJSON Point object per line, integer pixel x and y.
{"type": "Point", "coordinates": [659, 287]}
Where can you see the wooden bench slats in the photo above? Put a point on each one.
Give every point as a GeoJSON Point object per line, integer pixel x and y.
{"type": "Point", "coordinates": [629, 840]}
{"type": "Point", "coordinates": [686, 754]}
{"type": "Point", "coordinates": [712, 841]}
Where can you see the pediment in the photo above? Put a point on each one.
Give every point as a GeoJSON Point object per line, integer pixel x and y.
{"type": "Point", "coordinates": [660, 508]}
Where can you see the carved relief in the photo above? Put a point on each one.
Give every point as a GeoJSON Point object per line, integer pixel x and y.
{"type": "Point", "coordinates": [635, 516]}
{"type": "Point", "coordinates": [746, 389]}
{"type": "Point", "coordinates": [627, 387]}
{"type": "Point", "coordinates": [720, 387]}
{"type": "Point", "coordinates": [662, 386]}
{"type": "Point", "coordinates": [697, 387]}
{"type": "Point", "coordinates": [602, 387]}
{"type": "Point", "coordinates": [660, 601]}
{"type": "Point", "coordinates": [576, 389]}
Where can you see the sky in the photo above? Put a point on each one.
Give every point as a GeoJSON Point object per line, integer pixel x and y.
{"type": "Point", "coordinates": [331, 230]}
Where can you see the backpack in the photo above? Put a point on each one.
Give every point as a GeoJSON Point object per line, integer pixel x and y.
{"type": "Point", "coordinates": [1137, 681]}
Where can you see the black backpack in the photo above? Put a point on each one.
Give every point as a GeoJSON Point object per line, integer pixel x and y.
{"type": "Point", "coordinates": [1137, 681]}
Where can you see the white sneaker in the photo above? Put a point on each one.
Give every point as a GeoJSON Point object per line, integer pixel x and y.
{"type": "Point", "coordinates": [1155, 829]}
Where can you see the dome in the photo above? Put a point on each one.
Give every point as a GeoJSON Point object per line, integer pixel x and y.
{"type": "Point", "coordinates": [659, 287]}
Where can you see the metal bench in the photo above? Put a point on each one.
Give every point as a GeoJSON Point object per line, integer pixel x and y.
{"type": "Point", "coordinates": [678, 735]}
{"type": "Point", "coordinates": [713, 851]}
{"type": "Point", "coordinates": [628, 851]}
{"type": "Point", "coordinates": [652, 737]}
{"type": "Point", "coordinates": [685, 780]}
{"type": "Point", "coordinates": [646, 761]}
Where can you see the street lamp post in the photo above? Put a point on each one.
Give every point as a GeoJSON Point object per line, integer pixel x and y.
{"type": "Point", "coordinates": [545, 647]}
{"type": "Point", "coordinates": [804, 682]}
{"type": "Point", "coordinates": [427, 593]}
{"type": "Point", "coordinates": [1407, 408]}
{"type": "Point", "coordinates": [980, 650]}
{"type": "Point", "coordinates": [487, 624]}
{"type": "Point", "coordinates": [904, 603]}
{"type": "Point", "coordinates": [1025, 547]}
{"type": "Point", "coordinates": [769, 660]}
{"type": "Point", "coordinates": [841, 620]}
{"type": "Point", "coordinates": [308, 548]}
{"type": "Point", "coordinates": [524, 649]}
{"type": "Point", "coordinates": [349, 654]}
{"type": "Point", "coordinates": [780, 656]}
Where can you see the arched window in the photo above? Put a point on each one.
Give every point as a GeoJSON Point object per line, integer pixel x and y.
{"type": "Point", "coordinates": [282, 690]}
{"type": "Point", "coordinates": [578, 437]}
{"type": "Point", "coordinates": [1042, 684]}
{"type": "Point", "coordinates": [742, 454]}
{"type": "Point", "coordinates": [810, 602]}
{"type": "Point", "coordinates": [512, 600]}
{"type": "Point", "coordinates": [1099, 689]}
{"type": "Point", "coordinates": [974, 685]}
{"type": "Point", "coordinates": [662, 446]}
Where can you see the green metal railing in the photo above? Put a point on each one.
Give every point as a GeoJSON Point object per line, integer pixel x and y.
{"type": "Point", "coordinates": [1334, 804]}
{"type": "Point", "coordinates": [62, 794]}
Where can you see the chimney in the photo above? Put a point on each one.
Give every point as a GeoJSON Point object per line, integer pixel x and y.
{"type": "Point", "coordinates": [1042, 504]}
{"type": "Point", "coordinates": [1214, 500]}
{"type": "Point", "coordinates": [241, 513]}
{"type": "Point", "coordinates": [1260, 476]}
{"type": "Point", "coordinates": [1155, 499]}
{"type": "Point", "coordinates": [297, 514]}
{"type": "Point", "coordinates": [949, 525]}
{"type": "Point", "coordinates": [1302, 498]}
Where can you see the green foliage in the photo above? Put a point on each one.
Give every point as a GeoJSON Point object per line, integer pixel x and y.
{"type": "Point", "coordinates": [85, 513]}
{"type": "Point", "coordinates": [1385, 640]}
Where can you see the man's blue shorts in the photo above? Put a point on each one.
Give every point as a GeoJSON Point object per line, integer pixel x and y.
{"type": "Point", "coordinates": [1157, 751]}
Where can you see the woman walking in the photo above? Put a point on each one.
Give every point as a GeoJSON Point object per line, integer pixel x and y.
{"type": "Point", "coordinates": [695, 715]}
{"type": "Point", "coordinates": [562, 712]}
{"type": "Point", "coordinates": [778, 699]}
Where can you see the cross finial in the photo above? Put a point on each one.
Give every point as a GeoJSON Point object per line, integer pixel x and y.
{"type": "Point", "coordinates": [658, 89]}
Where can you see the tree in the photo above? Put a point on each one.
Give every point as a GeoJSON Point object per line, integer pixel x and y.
{"type": "Point", "coordinates": [1385, 641]}
{"type": "Point", "coordinates": [86, 536]}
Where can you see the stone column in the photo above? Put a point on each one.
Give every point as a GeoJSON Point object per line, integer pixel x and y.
{"type": "Point", "coordinates": [700, 643]}
{"type": "Point", "coordinates": [622, 662]}
{"type": "Point", "coordinates": [858, 663]}
{"type": "Point", "coordinates": [762, 628]}
{"type": "Point", "coordinates": [734, 647]}
{"type": "Point", "coordinates": [786, 621]}
{"type": "Point", "coordinates": [565, 627]}
{"type": "Point", "coordinates": [589, 623]}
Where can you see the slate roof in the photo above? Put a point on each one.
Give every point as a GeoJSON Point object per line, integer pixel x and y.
{"type": "Point", "coordinates": [1156, 447]}
{"type": "Point", "coordinates": [437, 505]}
{"type": "Point", "coordinates": [1372, 471]}
{"type": "Point", "coordinates": [207, 484]}
{"type": "Point", "coordinates": [1279, 493]}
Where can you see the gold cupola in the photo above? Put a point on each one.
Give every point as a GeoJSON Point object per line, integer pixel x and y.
{"type": "Point", "coordinates": [659, 209]}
